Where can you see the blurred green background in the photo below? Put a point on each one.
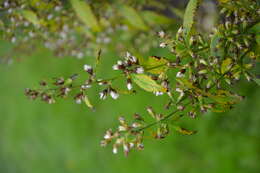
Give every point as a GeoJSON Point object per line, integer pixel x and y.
{"type": "Point", "coordinates": [64, 137]}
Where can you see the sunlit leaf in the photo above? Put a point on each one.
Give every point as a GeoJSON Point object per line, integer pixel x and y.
{"type": "Point", "coordinates": [156, 65]}
{"type": "Point", "coordinates": [87, 102]}
{"type": "Point", "coordinates": [226, 64]}
{"type": "Point", "coordinates": [147, 83]}
{"type": "Point", "coordinates": [85, 14]}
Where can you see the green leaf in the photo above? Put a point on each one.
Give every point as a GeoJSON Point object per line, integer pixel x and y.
{"type": "Point", "coordinates": [257, 80]}
{"type": "Point", "coordinates": [154, 18]}
{"type": "Point", "coordinates": [183, 130]}
{"type": "Point", "coordinates": [255, 29]}
{"type": "Point", "coordinates": [85, 14]}
{"type": "Point", "coordinates": [30, 16]}
{"type": "Point", "coordinates": [156, 65]}
{"type": "Point", "coordinates": [178, 12]}
{"type": "Point", "coordinates": [132, 17]}
{"type": "Point", "coordinates": [226, 64]}
{"type": "Point", "coordinates": [147, 83]}
{"type": "Point", "coordinates": [189, 15]}
{"type": "Point", "coordinates": [215, 50]}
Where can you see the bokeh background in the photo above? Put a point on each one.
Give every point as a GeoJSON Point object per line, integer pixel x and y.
{"type": "Point", "coordinates": [64, 137]}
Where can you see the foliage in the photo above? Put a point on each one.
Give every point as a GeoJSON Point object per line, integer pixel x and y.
{"type": "Point", "coordinates": [77, 27]}
{"type": "Point", "coordinates": [197, 78]}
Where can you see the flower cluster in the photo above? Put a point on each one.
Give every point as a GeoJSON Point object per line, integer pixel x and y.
{"type": "Point", "coordinates": [198, 79]}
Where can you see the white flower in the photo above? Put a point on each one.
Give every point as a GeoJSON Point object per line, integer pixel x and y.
{"type": "Point", "coordinates": [179, 90]}
{"type": "Point", "coordinates": [158, 93]}
{"type": "Point", "coordinates": [121, 128]}
{"type": "Point", "coordinates": [119, 62]}
{"type": "Point", "coordinates": [114, 94]}
{"type": "Point", "coordinates": [161, 34]}
{"type": "Point", "coordinates": [179, 74]}
{"type": "Point", "coordinates": [13, 40]}
{"type": "Point", "coordinates": [128, 55]}
{"type": "Point", "coordinates": [140, 70]}
{"type": "Point", "coordinates": [86, 86]}
{"type": "Point", "coordinates": [78, 101]}
{"type": "Point", "coordinates": [49, 17]}
{"type": "Point", "coordinates": [102, 95]}
{"type": "Point", "coordinates": [87, 67]}
{"type": "Point", "coordinates": [131, 144]}
{"type": "Point", "coordinates": [115, 150]}
{"type": "Point", "coordinates": [80, 55]}
{"type": "Point", "coordinates": [6, 4]}
{"type": "Point", "coordinates": [129, 86]}
{"type": "Point", "coordinates": [115, 67]}
{"type": "Point", "coordinates": [180, 30]}
{"type": "Point", "coordinates": [162, 45]}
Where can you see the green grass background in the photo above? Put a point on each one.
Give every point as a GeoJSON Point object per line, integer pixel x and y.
{"type": "Point", "coordinates": [64, 137]}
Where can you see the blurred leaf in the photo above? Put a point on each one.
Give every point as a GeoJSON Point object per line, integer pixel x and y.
{"type": "Point", "coordinates": [183, 130]}
{"type": "Point", "coordinates": [156, 65]}
{"type": "Point", "coordinates": [255, 29]}
{"type": "Point", "coordinates": [30, 16]}
{"type": "Point", "coordinates": [131, 15]}
{"type": "Point", "coordinates": [147, 83]}
{"type": "Point", "coordinates": [189, 15]}
{"type": "Point", "coordinates": [85, 14]}
{"type": "Point", "coordinates": [87, 102]}
{"type": "Point", "coordinates": [257, 80]}
{"type": "Point", "coordinates": [226, 64]}
{"type": "Point", "coordinates": [214, 49]}
{"type": "Point", "coordinates": [153, 18]}
{"type": "Point", "coordinates": [177, 12]}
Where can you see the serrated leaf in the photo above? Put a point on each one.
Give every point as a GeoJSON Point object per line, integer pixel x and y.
{"type": "Point", "coordinates": [214, 49]}
{"type": "Point", "coordinates": [184, 131]}
{"type": "Point", "coordinates": [189, 14]}
{"type": "Point", "coordinates": [132, 17]}
{"type": "Point", "coordinates": [85, 14]}
{"type": "Point", "coordinates": [156, 65]}
{"type": "Point", "coordinates": [226, 64]}
{"type": "Point", "coordinates": [153, 18]}
{"type": "Point", "coordinates": [30, 16]}
{"type": "Point", "coordinates": [147, 83]}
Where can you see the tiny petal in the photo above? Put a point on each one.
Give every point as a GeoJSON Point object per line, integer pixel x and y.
{"type": "Point", "coordinates": [129, 86]}
{"type": "Point", "coordinates": [179, 74]}
{"type": "Point", "coordinates": [161, 34]}
{"type": "Point", "coordinates": [115, 67]}
{"type": "Point", "coordinates": [140, 70]}
{"type": "Point", "coordinates": [114, 94]}
{"type": "Point", "coordinates": [87, 67]}
{"type": "Point", "coordinates": [162, 45]}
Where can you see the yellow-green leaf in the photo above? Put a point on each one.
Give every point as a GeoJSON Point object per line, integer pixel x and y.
{"type": "Point", "coordinates": [85, 14]}
{"type": "Point", "coordinates": [226, 65]}
{"type": "Point", "coordinates": [132, 17]}
{"type": "Point", "coordinates": [189, 14]}
{"type": "Point", "coordinates": [30, 16]}
{"type": "Point", "coordinates": [184, 131]}
{"type": "Point", "coordinates": [147, 83]}
{"type": "Point", "coordinates": [156, 65]}
{"type": "Point", "coordinates": [87, 102]}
